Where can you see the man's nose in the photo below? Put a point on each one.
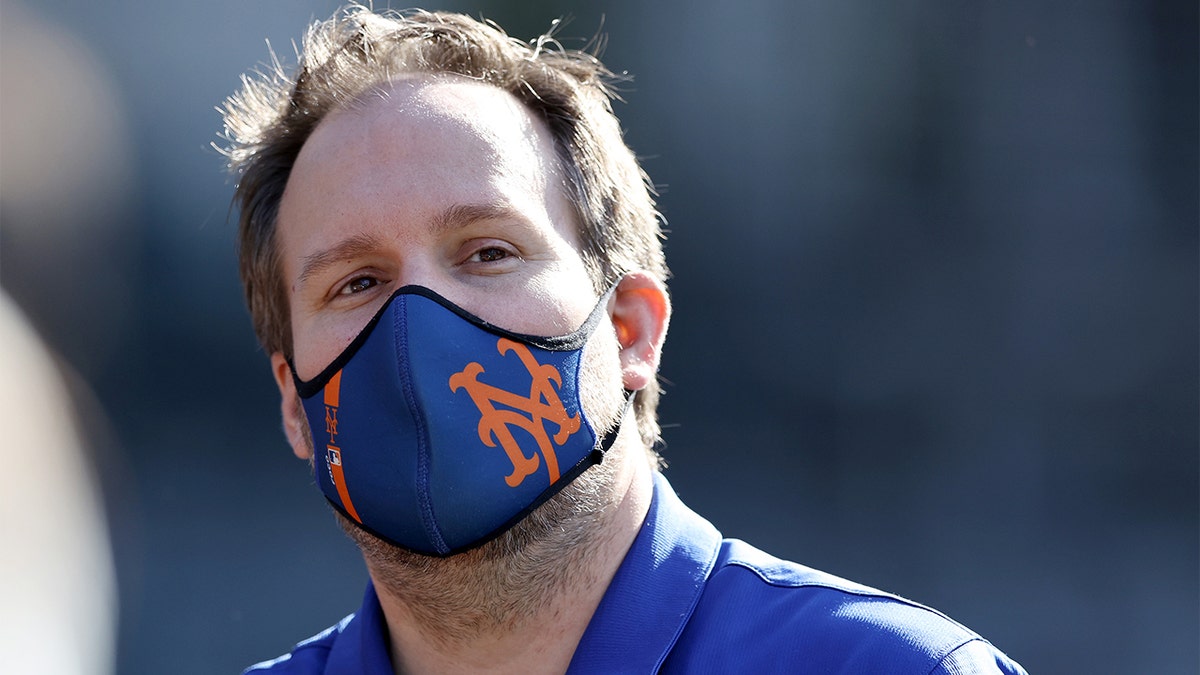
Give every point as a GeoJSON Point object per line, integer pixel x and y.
{"type": "Point", "coordinates": [426, 274]}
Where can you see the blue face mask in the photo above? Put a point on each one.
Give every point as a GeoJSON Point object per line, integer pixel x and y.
{"type": "Point", "coordinates": [438, 431]}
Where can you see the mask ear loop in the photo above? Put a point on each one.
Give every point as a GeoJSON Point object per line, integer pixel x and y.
{"type": "Point", "coordinates": [610, 438]}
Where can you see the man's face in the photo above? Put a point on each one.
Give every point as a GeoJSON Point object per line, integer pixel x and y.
{"type": "Point", "coordinates": [454, 185]}
{"type": "Point", "coordinates": [448, 184]}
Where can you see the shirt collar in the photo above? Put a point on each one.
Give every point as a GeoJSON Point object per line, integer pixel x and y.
{"type": "Point", "coordinates": [654, 591]}
{"type": "Point", "coordinates": [362, 648]}
{"type": "Point", "coordinates": [645, 608]}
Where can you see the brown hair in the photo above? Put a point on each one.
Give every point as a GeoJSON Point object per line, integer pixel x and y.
{"type": "Point", "coordinates": [273, 114]}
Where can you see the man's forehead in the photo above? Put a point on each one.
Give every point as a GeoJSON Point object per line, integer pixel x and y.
{"type": "Point", "coordinates": [396, 122]}
{"type": "Point", "coordinates": [418, 145]}
{"type": "Point", "coordinates": [458, 102]}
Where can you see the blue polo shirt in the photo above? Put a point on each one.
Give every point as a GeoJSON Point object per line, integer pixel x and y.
{"type": "Point", "coordinates": [686, 601]}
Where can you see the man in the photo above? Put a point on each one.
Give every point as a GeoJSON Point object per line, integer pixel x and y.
{"type": "Point", "coordinates": [455, 264]}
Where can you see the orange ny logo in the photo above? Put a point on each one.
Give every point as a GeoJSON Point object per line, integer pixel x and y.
{"type": "Point", "coordinates": [529, 413]}
{"type": "Point", "coordinates": [331, 423]}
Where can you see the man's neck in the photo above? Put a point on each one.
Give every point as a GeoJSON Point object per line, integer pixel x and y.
{"type": "Point", "coordinates": [526, 610]}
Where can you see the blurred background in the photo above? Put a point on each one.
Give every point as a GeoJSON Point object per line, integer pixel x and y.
{"type": "Point", "coordinates": [935, 279]}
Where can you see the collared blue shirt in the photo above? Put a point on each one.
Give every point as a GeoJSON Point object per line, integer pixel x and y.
{"type": "Point", "coordinates": [686, 601]}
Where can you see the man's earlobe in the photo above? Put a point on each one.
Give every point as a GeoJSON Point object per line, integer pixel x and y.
{"type": "Point", "coordinates": [641, 311]}
{"type": "Point", "coordinates": [295, 427]}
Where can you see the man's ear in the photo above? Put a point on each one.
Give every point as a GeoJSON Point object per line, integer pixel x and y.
{"type": "Point", "coordinates": [641, 310]}
{"type": "Point", "coordinates": [294, 426]}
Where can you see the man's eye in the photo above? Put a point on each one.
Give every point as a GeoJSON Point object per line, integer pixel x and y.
{"type": "Point", "coordinates": [359, 285]}
{"type": "Point", "coordinates": [491, 254]}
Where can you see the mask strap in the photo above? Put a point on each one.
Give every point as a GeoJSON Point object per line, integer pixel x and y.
{"type": "Point", "coordinates": [610, 438]}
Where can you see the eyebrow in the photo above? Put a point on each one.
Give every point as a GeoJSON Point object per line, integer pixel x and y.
{"type": "Point", "coordinates": [452, 218]}
{"type": "Point", "coordinates": [461, 215]}
{"type": "Point", "coordinates": [359, 244]}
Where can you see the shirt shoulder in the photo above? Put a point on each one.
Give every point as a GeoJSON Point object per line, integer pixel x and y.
{"type": "Point", "coordinates": [758, 613]}
{"type": "Point", "coordinates": [307, 657]}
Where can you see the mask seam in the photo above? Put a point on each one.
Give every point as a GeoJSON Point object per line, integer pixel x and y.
{"type": "Point", "coordinates": [424, 500]}
{"type": "Point", "coordinates": [576, 339]}
{"type": "Point", "coordinates": [579, 398]}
